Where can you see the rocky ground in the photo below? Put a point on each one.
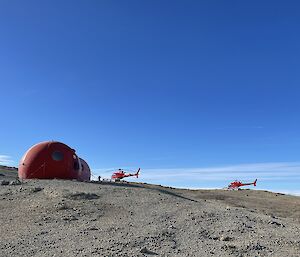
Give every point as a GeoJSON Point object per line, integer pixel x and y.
{"type": "Point", "coordinates": [69, 218]}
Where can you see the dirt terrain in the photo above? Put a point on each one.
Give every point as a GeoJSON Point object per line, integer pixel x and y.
{"type": "Point", "coordinates": [70, 218]}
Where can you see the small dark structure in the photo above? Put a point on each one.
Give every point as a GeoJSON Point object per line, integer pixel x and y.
{"type": "Point", "coordinates": [49, 160]}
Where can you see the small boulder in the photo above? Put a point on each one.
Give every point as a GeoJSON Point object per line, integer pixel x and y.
{"type": "Point", "coordinates": [225, 238]}
{"type": "Point", "coordinates": [4, 182]}
{"type": "Point", "coordinates": [147, 251]}
{"type": "Point", "coordinates": [276, 223]}
{"type": "Point", "coordinates": [15, 182]}
{"type": "Point", "coordinates": [36, 189]}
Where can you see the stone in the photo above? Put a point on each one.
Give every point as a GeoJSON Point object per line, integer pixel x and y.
{"type": "Point", "coordinates": [15, 182]}
{"type": "Point", "coordinates": [4, 182]}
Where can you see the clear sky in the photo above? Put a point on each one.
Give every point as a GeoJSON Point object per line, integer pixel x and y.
{"type": "Point", "coordinates": [196, 93]}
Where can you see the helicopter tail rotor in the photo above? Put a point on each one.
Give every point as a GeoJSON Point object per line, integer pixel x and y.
{"type": "Point", "coordinates": [254, 183]}
{"type": "Point", "coordinates": [137, 174]}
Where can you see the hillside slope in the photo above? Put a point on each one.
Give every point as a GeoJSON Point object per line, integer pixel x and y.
{"type": "Point", "coordinates": [8, 173]}
{"type": "Point", "coordinates": [69, 218]}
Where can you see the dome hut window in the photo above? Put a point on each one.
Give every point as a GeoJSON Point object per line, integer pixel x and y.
{"type": "Point", "coordinates": [57, 156]}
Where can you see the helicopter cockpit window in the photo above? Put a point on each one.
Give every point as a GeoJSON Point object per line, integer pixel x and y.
{"type": "Point", "coordinates": [57, 156]}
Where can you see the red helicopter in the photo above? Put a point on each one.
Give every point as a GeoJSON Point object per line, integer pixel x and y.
{"type": "Point", "coordinates": [120, 174]}
{"type": "Point", "coordinates": [235, 185]}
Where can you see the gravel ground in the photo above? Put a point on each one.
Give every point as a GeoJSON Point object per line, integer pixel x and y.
{"type": "Point", "coordinates": [69, 218]}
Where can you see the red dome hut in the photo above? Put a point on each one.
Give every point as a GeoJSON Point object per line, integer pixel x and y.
{"type": "Point", "coordinates": [49, 160]}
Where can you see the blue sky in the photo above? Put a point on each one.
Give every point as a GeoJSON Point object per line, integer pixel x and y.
{"type": "Point", "coordinates": [173, 87]}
